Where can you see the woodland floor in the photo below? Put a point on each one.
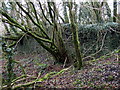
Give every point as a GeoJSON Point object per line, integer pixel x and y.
{"type": "Point", "coordinates": [98, 73]}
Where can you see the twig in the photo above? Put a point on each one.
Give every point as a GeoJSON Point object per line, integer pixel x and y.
{"type": "Point", "coordinates": [37, 78]}
{"type": "Point", "coordinates": [26, 77]}
{"type": "Point", "coordinates": [65, 62]}
{"type": "Point", "coordinates": [19, 40]}
{"type": "Point", "coordinates": [114, 30]}
{"type": "Point", "coordinates": [117, 57]}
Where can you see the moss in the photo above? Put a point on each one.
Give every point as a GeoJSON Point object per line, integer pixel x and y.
{"type": "Point", "coordinates": [99, 69]}
{"type": "Point", "coordinates": [77, 82]}
{"type": "Point", "coordinates": [110, 78]}
{"type": "Point", "coordinates": [94, 60]}
{"type": "Point", "coordinates": [117, 51]}
{"type": "Point", "coordinates": [47, 76]}
{"type": "Point", "coordinates": [108, 63]}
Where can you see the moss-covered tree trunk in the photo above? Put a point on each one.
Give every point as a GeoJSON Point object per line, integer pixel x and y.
{"type": "Point", "coordinates": [74, 30]}
{"type": "Point", "coordinates": [61, 55]}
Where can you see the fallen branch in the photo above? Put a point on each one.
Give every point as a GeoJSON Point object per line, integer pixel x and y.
{"type": "Point", "coordinates": [22, 78]}
{"type": "Point", "coordinates": [109, 55]}
{"type": "Point", "coordinates": [47, 76]}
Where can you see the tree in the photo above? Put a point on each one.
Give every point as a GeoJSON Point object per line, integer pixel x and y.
{"type": "Point", "coordinates": [53, 43]}
{"type": "Point", "coordinates": [65, 4]}
{"type": "Point", "coordinates": [74, 30]}
{"type": "Point", "coordinates": [119, 12]}
{"type": "Point", "coordinates": [97, 6]}
{"type": "Point", "coordinates": [114, 10]}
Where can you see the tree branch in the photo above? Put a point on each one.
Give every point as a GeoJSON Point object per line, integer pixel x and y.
{"type": "Point", "coordinates": [35, 12]}
{"type": "Point", "coordinates": [44, 14]}
{"type": "Point", "coordinates": [41, 28]}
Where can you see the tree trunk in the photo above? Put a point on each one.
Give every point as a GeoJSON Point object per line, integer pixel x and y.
{"type": "Point", "coordinates": [114, 10]}
{"type": "Point", "coordinates": [65, 12]}
{"type": "Point", "coordinates": [97, 9]}
{"type": "Point", "coordinates": [119, 12]}
{"type": "Point", "coordinates": [61, 53]}
{"type": "Point", "coordinates": [74, 30]}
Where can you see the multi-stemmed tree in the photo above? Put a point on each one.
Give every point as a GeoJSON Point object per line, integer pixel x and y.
{"type": "Point", "coordinates": [22, 19]}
